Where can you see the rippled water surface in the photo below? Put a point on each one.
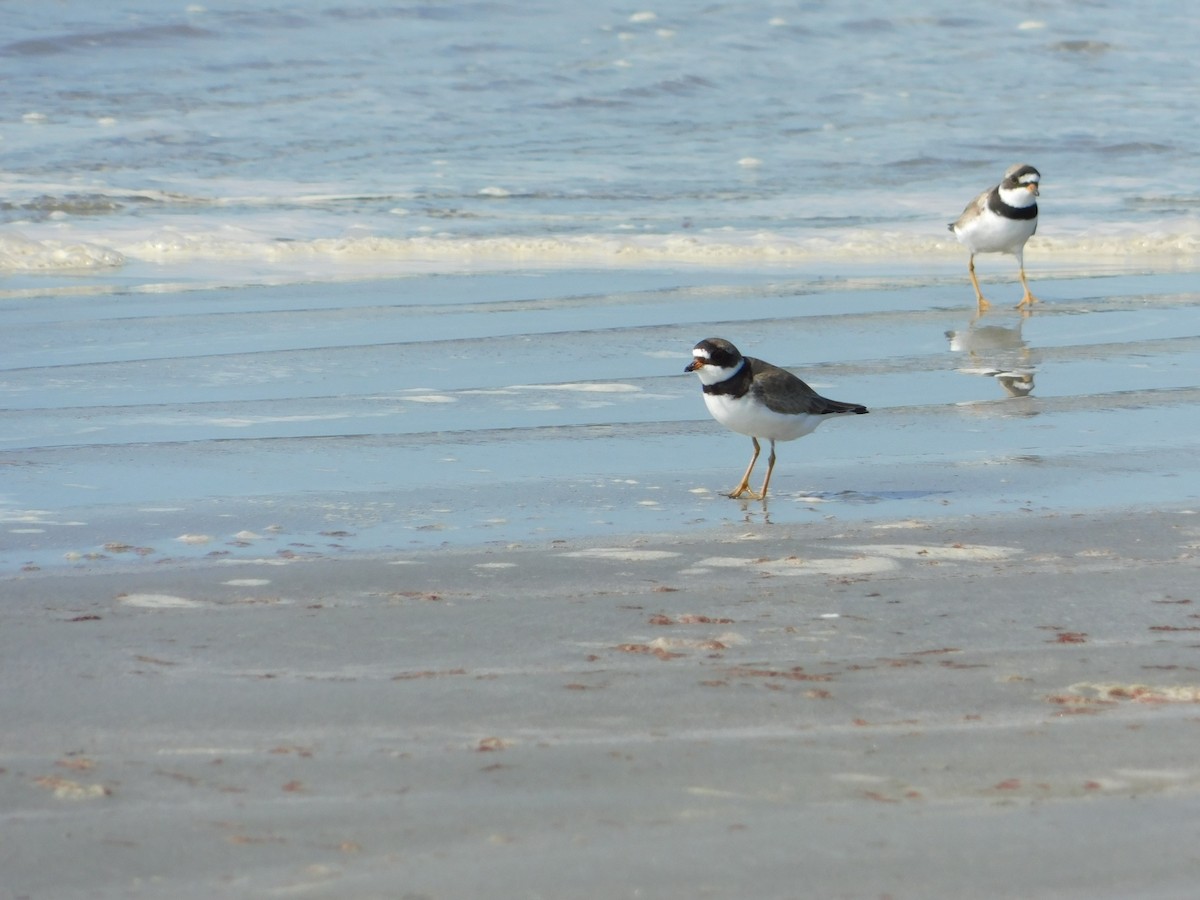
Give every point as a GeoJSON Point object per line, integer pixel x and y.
{"type": "Point", "coordinates": [320, 139]}
{"type": "Point", "coordinates": [300, 419]}
{"type": "Point", "coordinates": [335, 277]}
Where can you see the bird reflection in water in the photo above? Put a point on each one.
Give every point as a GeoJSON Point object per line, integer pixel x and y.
{"type": "Point", "coordinates": [998, 352]}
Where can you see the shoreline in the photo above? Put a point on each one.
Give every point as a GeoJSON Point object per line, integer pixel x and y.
{"type": "Point", "coordinates": [914, 706]}
{"type": "Point", "coordinates": [500, 629]}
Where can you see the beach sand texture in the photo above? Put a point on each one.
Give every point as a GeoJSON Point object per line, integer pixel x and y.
{"type": "Point", "coordinates": [501, 635]}
{"type": "Point", "coordinates": [361, 535]}
{"type": "Point", "coordinates": [997, 706]}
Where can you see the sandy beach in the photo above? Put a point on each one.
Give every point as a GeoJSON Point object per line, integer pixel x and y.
{"type": "Point", "coordinates": [362, 536]}
{"type": "Point", "coordinates": [510, 640]}
{"type": "Point", "coordinates": [991, 706]}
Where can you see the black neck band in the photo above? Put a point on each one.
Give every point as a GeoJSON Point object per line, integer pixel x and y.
{"type": "Point", "coordinates": [1000, 208]}
{"type": "Point", "coordinates": [736, 385]}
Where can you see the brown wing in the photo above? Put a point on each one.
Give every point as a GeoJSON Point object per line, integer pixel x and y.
{"type": "Point", "coordinates": [974, 208]}
{"type": "Point", "coordinates": [782, 392]}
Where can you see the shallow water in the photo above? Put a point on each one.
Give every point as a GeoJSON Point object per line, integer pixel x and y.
{"type": "Point", "coordinates": [168, 143]}
{"type": "Point", "coordinates": [293, 420]}
{"type": "Point", "coordinates": [378, 276]}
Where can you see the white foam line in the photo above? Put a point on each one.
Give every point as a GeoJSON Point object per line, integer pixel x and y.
{"type": "Point", "coordinates": [973, 553]}
{"type": "Point", "coordinates": [620, 553]}
{"type": "Point", "coordinates": [159, 601]}
{"type": "Point", "coordinates": [588, 387]}
{"type": "Point", "coordinates": [833, 566]}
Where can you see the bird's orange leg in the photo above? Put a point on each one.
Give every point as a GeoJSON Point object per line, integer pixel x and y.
{"type": "Point", "coordinates": [744, 486]}
{"type": "Point", "coordinates": [979, 298]}
{"type": "Point", "coordinates": [762, 495]}
{"type": "Point", "coordinates": [1028, 300]}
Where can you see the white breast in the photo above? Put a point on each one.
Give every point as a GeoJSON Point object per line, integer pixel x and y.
{"type": "Point", "coordinates": [990, 233]}
{"type": "Point", "coordinates": [745, 416]}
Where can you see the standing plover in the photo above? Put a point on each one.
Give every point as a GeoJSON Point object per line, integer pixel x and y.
{"type": "Point", "coordinates": [753, 397]}
{"type": "Point", "coordinates": [1001, 220]}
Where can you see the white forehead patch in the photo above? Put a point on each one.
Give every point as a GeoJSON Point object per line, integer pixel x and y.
{"type": "Point", "coordinates": [1029, 178]}
{"type": "Point", "coordinates": [700, 353]}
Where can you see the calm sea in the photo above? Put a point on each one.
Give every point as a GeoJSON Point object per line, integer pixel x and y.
{"type": "Point", "coordinates": [157, 141]}
{"type": "Point", "coordinates": [362, 275]}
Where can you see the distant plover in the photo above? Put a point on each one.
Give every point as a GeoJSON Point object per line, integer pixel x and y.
{"type": "Point", "coordinates": [1001, 220]}
{"type": "Point", "coordinates": [753, 397]}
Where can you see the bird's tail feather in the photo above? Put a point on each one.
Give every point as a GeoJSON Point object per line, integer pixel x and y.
{"type": "Point", "coordinates": [837, 406]}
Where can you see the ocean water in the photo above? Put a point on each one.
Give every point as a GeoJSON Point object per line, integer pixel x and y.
{"type": "Point", "coordinates": [149, 140]}
{"type": "Point", "coordinates": [321, 276]}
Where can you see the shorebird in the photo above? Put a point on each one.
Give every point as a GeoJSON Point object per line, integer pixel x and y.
{"type": "Point", "coordinates": [1001, 220]}
{"type": "Point", "coordinates": [755, 398]}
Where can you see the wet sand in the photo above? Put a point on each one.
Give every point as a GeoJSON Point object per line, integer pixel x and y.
{"type": "Point", "coordinates": [464, 409]}
{"type": "Point", "coordinates": [992, 706]}
{"type": "Point", "coordinates": [425, 588]}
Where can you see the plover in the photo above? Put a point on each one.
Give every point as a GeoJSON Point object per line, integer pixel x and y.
{"type": "Point", "coordinates": [755, 398]}
{"type": "Point", "coordinates": [1001, 220]}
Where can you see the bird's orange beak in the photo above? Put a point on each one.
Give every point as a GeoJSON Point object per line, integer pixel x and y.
{"type": "Point", "coordinates": [1033, 188]}
{"type": "Point", "coordinates": [694, 365]}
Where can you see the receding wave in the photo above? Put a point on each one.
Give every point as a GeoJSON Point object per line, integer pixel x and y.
{"type": "Point", "coordinates": [375, 254]}
{"type": "Point", "coordinates": [22, 254]}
